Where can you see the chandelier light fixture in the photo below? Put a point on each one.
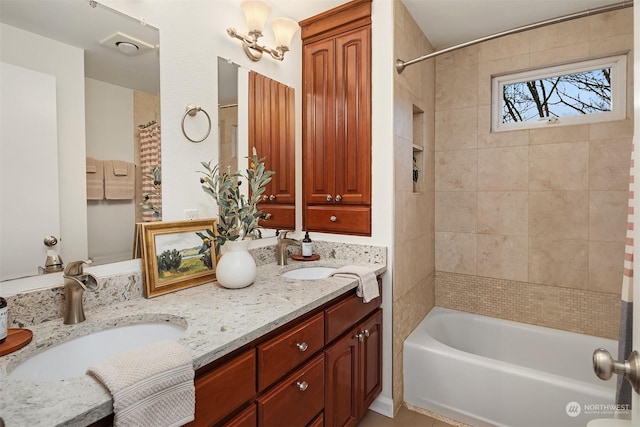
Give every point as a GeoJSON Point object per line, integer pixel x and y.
{"type": "Point", "coordinates": [256, 13]}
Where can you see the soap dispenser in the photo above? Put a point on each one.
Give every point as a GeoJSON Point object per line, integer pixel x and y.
{"type": "Point", "coordinates": [307, 246]}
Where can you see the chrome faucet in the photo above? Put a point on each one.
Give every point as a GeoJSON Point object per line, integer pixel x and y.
{"type": "Point", "coordinates": [75, 283]}
{"type": "Point", "coordinates": [281, 246]}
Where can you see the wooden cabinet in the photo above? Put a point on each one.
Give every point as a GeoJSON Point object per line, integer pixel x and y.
{"type": "Point", "coordinates": [323, 369]}
{"type": "Point", "coordinates": [337, 120]}
{"type": "Point", "coordinates": [272, 133]}
{"type": "Point", "coordinates": [354, 372]}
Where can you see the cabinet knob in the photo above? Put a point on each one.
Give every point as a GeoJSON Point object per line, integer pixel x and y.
{"type": "Point", "coordinates": [302, 346]}
{"type": "Point", "coordinates": [272, 197]}
{"type": "Point", "coordinates": [329, 197]}
{"type": "Point", "coordinates": [338, 197]}
{"type": "Point", "coordinates": [366, 333]}
{"type": "Point", "coordinates": [333, 218]}
{"type": "Point", "coordinates": [265, 198]}
{"type": "Point", "coordinates": [302, 385]}
{"type": "Point", "coordinates": [359, 337]}
{"type": "Point", "coordinates": [267, 216]}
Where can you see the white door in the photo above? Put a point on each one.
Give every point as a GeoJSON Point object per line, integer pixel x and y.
{"type": "Point", "coordinates": [28, 141]}
{"type": "Point", "coordinates": [635, 399]}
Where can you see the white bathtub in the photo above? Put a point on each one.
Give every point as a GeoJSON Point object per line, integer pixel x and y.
{"type": "Point", "coordinates": [485, 371]}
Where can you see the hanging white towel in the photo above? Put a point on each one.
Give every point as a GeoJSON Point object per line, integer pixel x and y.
{"type": "Point", "coordinates": [151, 386]}
{"type": "Point", "coordinates": [95, 179]}
{"type": "Point", "coordinates": [367, 282]}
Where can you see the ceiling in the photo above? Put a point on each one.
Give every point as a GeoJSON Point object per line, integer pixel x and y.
{"type": "Point", "coordinates": [103, 62]}
{"type": "Point", "coordinates": [450, 22]}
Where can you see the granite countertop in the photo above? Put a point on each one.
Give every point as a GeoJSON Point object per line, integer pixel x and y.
{"type": "Point", "coordinates": [218, 321]}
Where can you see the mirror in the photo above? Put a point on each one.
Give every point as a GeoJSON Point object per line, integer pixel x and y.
{"type": "Point", "coordinates": [97, 75]}
{"type": "Point", "coordinates": [228, 115]}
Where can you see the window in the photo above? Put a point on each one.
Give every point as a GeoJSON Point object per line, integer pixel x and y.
{"type": "Point", "coordinates": [581, 92]}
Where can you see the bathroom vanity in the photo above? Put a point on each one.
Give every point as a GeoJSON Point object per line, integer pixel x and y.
{"type": "Point", "coordinates": [275, 349]}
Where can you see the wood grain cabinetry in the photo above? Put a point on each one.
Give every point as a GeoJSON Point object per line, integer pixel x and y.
{"type": "Point", "coordinates": [337, 120]}
{"type": "Point", "coordinates": [272, 133]}
{"type": "Point", "coordinates": [323, 369]}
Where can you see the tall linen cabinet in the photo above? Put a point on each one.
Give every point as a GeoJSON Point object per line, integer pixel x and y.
{"type": "Point", "coordinates": [336, 142]}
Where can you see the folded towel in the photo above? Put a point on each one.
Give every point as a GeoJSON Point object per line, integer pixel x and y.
{"type": "Point", "coordinates": [367, 282]}
{"type": "Point", "coordinates": [95, 179]}
{"type": "Point", "coordinates": [151, 386]}
{"type": "Point", "coordinates": [120, 168]}
{"type": "Point", "coordinates": [119, 187]}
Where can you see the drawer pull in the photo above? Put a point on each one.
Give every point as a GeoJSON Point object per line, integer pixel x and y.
{"type": "Point", "coordinates": [338, 197]}
{"type": "Point", "coordinates": [302, 346]}
{"type": "Point", "coordinates": [366, 333]}
{"type": "Point", "coordinates": [302, 385]}
{"type": "Point", "coordinates": [272, 197]}
{"type": "Point", "coordinates": [359, 337]}
{"type": "Point", "coordinates": [265, 198]}
{"type": "Point", "coordinates": [333, 218]}
{"type": "Point", "coordinates": [329, 197]}
{"type": "Point", "coordinates": [267, 216]}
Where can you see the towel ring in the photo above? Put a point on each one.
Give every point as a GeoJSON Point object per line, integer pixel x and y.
{"type": "Point", "coordinates": [192, 110]}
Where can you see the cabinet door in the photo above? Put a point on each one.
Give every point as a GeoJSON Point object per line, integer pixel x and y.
{"type": "Point", "coordinates": [319, 121]}
{"type": "Point", "coordinates": [371, 361]}
{"type": "Point", "coordinates": [341, 382]}
{"type": "Point", "coordinates": [353, 104]}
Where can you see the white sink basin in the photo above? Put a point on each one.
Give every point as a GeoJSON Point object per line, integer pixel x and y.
{"type": "Point", "coordinates": [309, 273]}
{"type": "Point", "coordinates": [72, 358]}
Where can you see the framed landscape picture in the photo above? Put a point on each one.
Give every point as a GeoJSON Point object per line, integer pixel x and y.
{"type": "Point", "coordinates": [176, 255]}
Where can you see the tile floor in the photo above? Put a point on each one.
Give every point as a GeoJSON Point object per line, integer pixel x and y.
{"type": "Point", "coordinates": [404, 418]}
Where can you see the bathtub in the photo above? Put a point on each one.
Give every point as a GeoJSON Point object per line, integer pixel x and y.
{"type": "Point", "coordinates": [485, 371]}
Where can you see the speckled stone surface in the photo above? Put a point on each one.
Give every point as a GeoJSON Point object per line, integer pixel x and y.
{"type": "Point", "coordinates": [218, 321]}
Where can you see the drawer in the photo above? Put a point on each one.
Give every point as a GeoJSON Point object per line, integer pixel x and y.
{"type": "Point", "coordinates": [289, 349]}
{"type": "Point", "coordinates": [318, 421]}
{"type": "Point", "coordinates": [346, 219]}
{"type": "Point", "coordinates": [247, 418]}
{"type": "Point", "coordinates": [225, 388]}
{"type": "Point", "coordinates": [344, 314]}
{"type": "Point", "coordinates": [297, 399]}
{"type": "Point", "coordinates": [282, 216]}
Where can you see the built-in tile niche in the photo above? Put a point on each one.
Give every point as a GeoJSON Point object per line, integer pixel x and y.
{"type": "Point", "coordinates": [417, 174]}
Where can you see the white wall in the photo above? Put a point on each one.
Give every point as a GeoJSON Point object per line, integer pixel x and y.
{"type": "Point", "coordinates": [192, 36]}
{"type": "Point", "coordinates": [109, 127]}
{"type": "Point", "coordinates": [66, 63]}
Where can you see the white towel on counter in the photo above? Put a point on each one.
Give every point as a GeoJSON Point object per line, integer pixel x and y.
{"type": "Point", "coordinates": [367, 282]}
{"type": "Point", "coordinates": [151, 386]}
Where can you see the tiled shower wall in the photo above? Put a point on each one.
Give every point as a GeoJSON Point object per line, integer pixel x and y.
{"type": "Point", "coordinates": [414, 256]}
{"type": "Point", "coordinates": [541, 211]}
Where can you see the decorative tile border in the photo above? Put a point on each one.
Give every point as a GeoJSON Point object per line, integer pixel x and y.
{"type": "Point", "coordinates": [574, 310]}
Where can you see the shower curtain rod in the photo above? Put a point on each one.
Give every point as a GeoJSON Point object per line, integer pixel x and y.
{"type": "Point", "coordinates": [401, 65]}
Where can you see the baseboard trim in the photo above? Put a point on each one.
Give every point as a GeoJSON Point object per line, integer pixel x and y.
{"type": "Point", "coordinates": [383, 405]}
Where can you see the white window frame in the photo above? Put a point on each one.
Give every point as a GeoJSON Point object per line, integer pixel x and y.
{"type": "Point", "coordinates": [618, 111]}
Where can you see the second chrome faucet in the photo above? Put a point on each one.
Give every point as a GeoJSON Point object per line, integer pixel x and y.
{"type": "Point", "coordinates": [281, 246]}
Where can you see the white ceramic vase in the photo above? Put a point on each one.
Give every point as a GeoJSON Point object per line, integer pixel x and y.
{"type": "Point", "coordinates": [236, 268]}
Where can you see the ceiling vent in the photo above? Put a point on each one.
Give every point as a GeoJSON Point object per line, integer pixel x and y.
{"type": "Point", "coordinates": [126, 44]}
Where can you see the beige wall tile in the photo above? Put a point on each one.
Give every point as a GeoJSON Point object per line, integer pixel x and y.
{"type": "Point", "coordinates": [504, 47]}
{"type": "Point", "coordinates": [403, 159]}
{"type": "Point", "coordinates": [457, 129]}
{"type": "Point", "coordinates": [466, 56]}
{"type": "Point", "coordinates": [456, 252]}
{"type": "Point", "coordinates": [605, 266]}
{"type": "Point", "coordinates": [503, 257]}
{"type": "Point", "coordinates": [559, 55]}
{"type": "Point", "coordinates": [611, 130]}
{"type": "Point", "coordinates": [559, 214]}
{"type": "Point", "coordinates": [565, 34]}
{"type": "Point", "coordinates": [456, 170]}
{"type": "Point", "coordinates": [559, 166]}
{"type": "Point", "coordinates": [488, 69]}
{"type": "Point", "coordinates": [457, 88]}
{"type": "Point", "coordinates": [610, 24]}
{"type": "Point", "coordinates": [608, 215]}
{"type": "Point", "coordinates": [503, 212]}
{"type": "Point", "coordinates": [555, 134]}
{"type": "Point", "coordinates": [488, 139]}
{"type": "Point", "coordinates": [609, 163]}
{"type": "Point", "coordinates": [559, 262]}
{"type": "Point", "coordinates": [456, 211]}
{"type": "Point", "coordinates": [604, 47]}
{"type": "Point", "coordinates": [503, 168]}
{"type": "Point", "coordinates": [402, 112]}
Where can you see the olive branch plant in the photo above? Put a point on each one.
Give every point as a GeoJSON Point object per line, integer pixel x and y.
{"type": "Point", "coordinates": [239, 215]}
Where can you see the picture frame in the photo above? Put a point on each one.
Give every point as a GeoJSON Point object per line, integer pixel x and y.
{"type": "Point", "coordinates": [175, 255]}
